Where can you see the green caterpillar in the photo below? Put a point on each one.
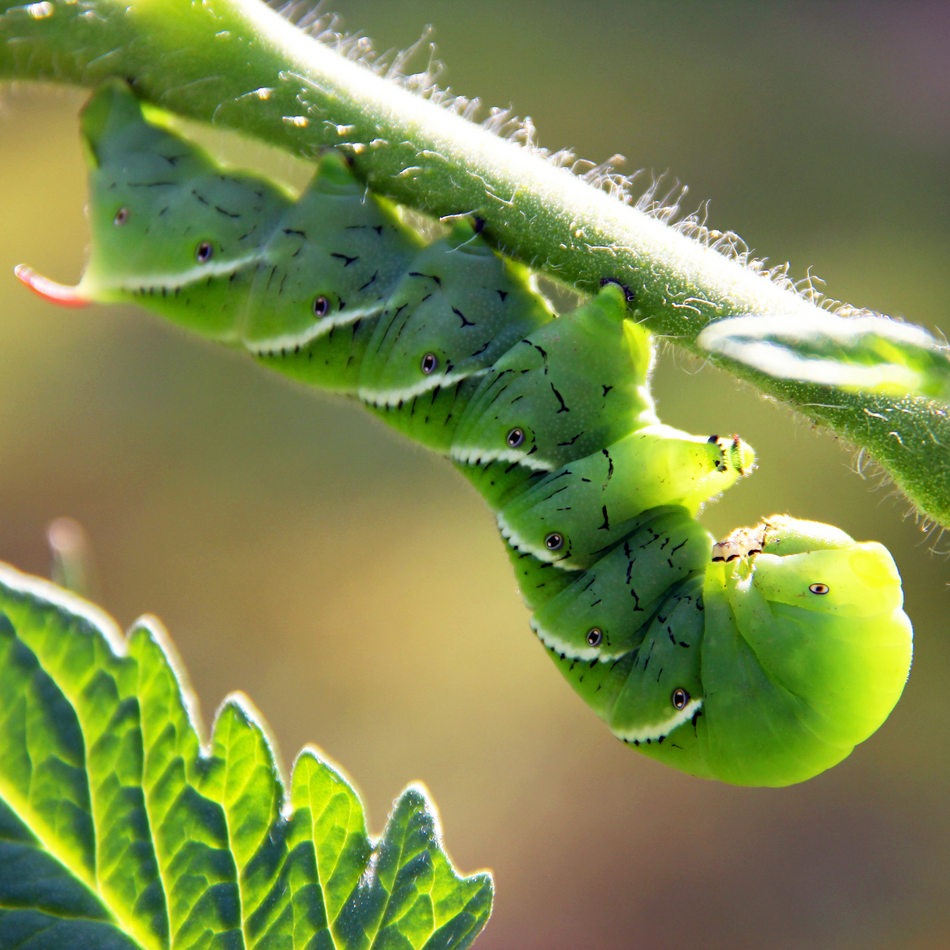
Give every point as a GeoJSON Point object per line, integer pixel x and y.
{"type": "Point", "coordinates": [761, 660]}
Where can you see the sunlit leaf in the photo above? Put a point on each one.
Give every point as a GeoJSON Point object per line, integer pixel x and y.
{"type": "Point", "coordinates": [867, 353]}
{"type": "Point", "coordinates": [120, 827]}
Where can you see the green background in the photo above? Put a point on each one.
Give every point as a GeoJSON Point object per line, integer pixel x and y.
{"type": "Point", "coordinates": [354, 586]}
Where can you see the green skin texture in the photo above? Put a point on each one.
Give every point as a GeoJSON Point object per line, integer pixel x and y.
{"type": "Point", "coordinates": [551, 420]}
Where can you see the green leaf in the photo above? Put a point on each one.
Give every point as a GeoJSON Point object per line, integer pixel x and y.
{"type": "Point", "coordinates": [121, 828]}
{"type": "Point", "coordinates": [854, 353]}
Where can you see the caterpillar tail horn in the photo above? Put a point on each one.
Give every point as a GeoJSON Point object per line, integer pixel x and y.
{"type": "Point", "coordinates": [50, 290]}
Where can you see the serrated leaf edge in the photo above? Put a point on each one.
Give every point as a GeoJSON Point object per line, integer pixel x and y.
{"type": "Point", "coordinates": [118, 643]}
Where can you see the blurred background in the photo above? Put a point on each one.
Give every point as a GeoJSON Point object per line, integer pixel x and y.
{"type": "Point", "coordinates": [354, 586]}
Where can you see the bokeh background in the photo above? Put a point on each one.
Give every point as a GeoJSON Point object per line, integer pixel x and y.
{"type": "Point", "coordinates": [354, 586]}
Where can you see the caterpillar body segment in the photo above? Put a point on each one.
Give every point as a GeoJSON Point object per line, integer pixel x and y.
{"type": "Point", "coordinates": [457, 310]}
{"type": "Point", "coordinates": [591, 503]}
{"type": "Point", "coordinates": [571, 388]}
{"type": "Point", "coordinates": [169, 226]}
{"type": "Point", "coordinates": [759, 660]}
{"type": "Point", "coordinates": [314, 302]}
{"type": "Point", "coordinates": [601, 613]}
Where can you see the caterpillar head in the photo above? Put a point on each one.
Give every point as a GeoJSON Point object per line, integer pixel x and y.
{"type": "Point", "coordinates": [737, 456]}
{"type": "Point", "coordinates": [822, 573]}
{"type": "Point", "coordinates": [815, 566]}
{"type": "Point", "coordinates": [808, 634]}
{"type": "Point", "coordinates": [743, 542]}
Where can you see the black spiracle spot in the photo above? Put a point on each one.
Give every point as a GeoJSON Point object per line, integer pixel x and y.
{"type": "Point", "coordinates": [819, 588]}
{"type": "Point", "coordinates": [203, 252]}
{"type": "Point", "coordinates": [430, 363]}
{"type": "Point", "coordinates": [595, 636]}
{"type": "Point", "coordinates": [680, 698]}
{"type": "Point", "coordinates": [554, 541]}
{"type": "Point", "coordinates": [121, 216]}
{"type": "Point", "coordinates": [321, 306]}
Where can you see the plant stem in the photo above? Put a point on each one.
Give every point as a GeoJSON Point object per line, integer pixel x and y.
{"type": "Point", "coordinates": [240, 65]}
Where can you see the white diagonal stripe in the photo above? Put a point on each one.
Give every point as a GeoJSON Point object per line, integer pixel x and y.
{"type": "Point", "coordinates": [270, 346]}
{"type": "Point", "coordinates": [570, 650]}
{"type": "Point", "coordinates": [394, 397]}
{"type": "Point", "coordinates": [477, 456]}
{"type": "Point", "coordinates": [541, 553]}
{"type": "Point", "coordinates": [660, 730]}
{"type": "Point", "coordinates": [194, 274]}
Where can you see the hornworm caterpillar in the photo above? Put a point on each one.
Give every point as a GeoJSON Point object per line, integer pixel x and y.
{"type": "Point", "coordinates": [761, 660]}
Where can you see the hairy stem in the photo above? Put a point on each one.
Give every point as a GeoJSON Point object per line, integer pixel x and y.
{"type": "Point", "coordinates": [240, 65]}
